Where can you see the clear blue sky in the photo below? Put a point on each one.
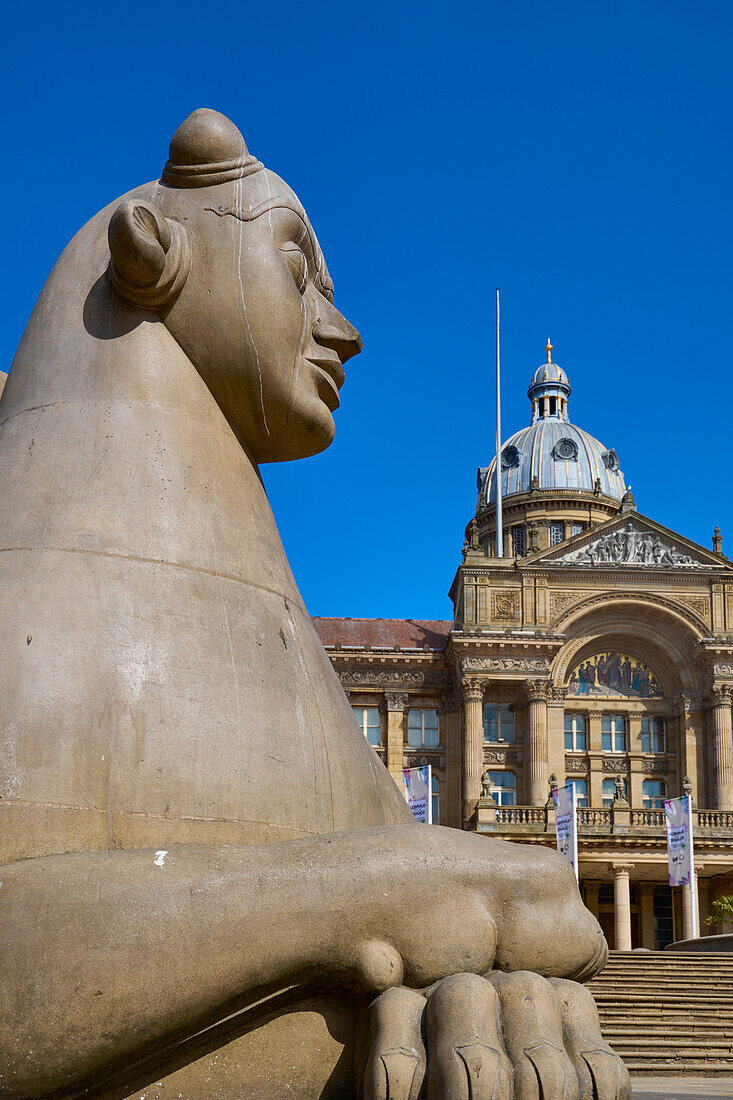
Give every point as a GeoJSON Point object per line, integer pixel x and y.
{"type": "Point", "coordinates": [577, 154]}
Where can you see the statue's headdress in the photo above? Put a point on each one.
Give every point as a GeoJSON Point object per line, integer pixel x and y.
{"type": "Point", "coordinates": [205, 150]}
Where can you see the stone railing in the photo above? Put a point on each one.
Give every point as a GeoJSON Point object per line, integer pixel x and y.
{"type": "Point", "coordinates": [619, 820]}
{"type": "Point", "coordinates": [593, 818]}
{"type": "Point", "coordinates": [651, 819]}
{"type": "Point", "coordinates": [521, 815]}
{"type": "Point", "coordinates": [715, 819]}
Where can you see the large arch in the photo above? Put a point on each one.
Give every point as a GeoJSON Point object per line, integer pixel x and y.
{"type": "Point", "coordinates": [654, 630]}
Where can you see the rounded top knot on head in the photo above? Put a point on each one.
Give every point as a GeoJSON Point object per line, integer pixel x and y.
{"type": "Point", "coordinates": [205, 150]}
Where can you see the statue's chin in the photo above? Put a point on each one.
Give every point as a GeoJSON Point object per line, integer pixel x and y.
{"type": "Point", "coordinates": [309, 430]}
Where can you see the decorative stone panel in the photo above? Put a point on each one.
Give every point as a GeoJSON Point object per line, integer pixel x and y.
{"type": "Point", "coordinates": [505, 605]}
{"type": "Point", "coordinates": [500, 756]}
{"type": "Point", "coordinates": [576, 764]}
{"type": "Point", "coordinates": [699, 604]}
{"type": "Point", "coordinates": [560, 600]}
{"type": "Point", "coordinates": [506, 664]}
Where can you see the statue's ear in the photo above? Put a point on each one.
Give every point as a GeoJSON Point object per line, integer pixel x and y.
{"type": "Point", "coordinates": [150, 255]}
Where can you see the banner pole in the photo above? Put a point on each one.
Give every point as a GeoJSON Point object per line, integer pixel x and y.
{"type": "Point", "coordinates": [693, 883]}
{"type": "Point", "coordinates": [575, 836]}
{"type": "Point", "coordinates": [430, 795]}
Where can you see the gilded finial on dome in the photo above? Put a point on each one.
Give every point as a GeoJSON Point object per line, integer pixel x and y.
{"type": "Point", "coordinates": [548, 349]}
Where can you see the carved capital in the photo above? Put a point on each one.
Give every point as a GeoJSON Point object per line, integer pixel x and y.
{"type": "Point", "coordinates": [537, 691]}
{"type": "Point", "coordinates": [556, 696]}
{"type": "Point", "coordinates": [718, 695]}
{"type": "Point", "coordinates": [688, 701]}
{"type": "Point", "coordinates": [472, 689]}
{"type": "Point", "coordinates": [396, 700]}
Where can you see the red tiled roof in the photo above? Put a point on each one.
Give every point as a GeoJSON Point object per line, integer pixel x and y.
{"type": "Point", "coordinates": [406, 633]}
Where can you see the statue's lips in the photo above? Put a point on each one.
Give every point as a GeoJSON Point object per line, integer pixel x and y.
{"type": "Point", "coordinates": [329, 368]}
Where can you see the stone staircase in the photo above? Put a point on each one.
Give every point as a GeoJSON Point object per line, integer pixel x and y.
{"type": "Point", "coordinates": [667, 1012]}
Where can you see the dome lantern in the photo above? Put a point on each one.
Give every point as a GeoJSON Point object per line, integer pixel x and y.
{"type": "Point", "coordinates": [549, 390]}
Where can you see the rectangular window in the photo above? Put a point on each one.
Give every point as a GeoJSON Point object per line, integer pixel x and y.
{"type": "Point", "coordinates": [518, 541]}
{"type": "Point", "coordinates": [581, 790]}
{"type": "Point", "coordinates": [369, 721]}
{"type": "Point", "coordinates": [422, 729]}
{"type": "Point", "coordinates": [609, 792]}
{"type": "Point", "coordinates": [499, 722]}
{"type": "Point", "coordinates": [613, 733]}
{"type": "Point", "coordinates": [652, 734]}
{"type": "Point", "coordinates": [504, 788]}
{"type": "Point", "coordinates": [575, 732]}
{"type": "Point", "coordinates": [576, 528]}
{"type": "Point", "coordinates": [654, 794]}
{"type": "Point", "coordinates": [557, 533]}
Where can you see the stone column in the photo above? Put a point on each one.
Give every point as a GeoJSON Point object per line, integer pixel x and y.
{"type": "Point", "coordinates": [396, 703]}
{"type": "Point", "coordinates": [646, 907]}
{"type": "Point", "coordinates": [591, 897]}
{"type": "Point", "coordinates": [473, 744]}
{"type": "Point", "coordinates": [719, 702]}
{"type": "Point", "coordinates": [536, 768]}
{"type": "Point", "coordinates": [556, 730]}
{"type": "Point", "coordinates": [622, 905]}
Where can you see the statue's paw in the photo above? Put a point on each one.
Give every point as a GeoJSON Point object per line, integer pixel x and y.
{"type": "Point", "coordinates": [397, 1060]}
{"type": "Point", "coordinates": [504, 1037]}
{"type": "Point", "coordinates": [466, 1052]}
{"type": "Point", "coordinates": [601, 1073]}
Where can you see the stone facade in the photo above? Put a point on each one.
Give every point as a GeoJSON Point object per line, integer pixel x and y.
{"type": "Point", "coordinates": [604, 657]}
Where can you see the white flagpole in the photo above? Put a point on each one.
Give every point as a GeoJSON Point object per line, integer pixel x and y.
{"type": "Point", "coordinates": [499, 518]}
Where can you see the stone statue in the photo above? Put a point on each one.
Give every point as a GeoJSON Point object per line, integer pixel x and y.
{"type": "Point", "coordinates": [619, 789]}
{"type": "Point", "coordinates": [210, 881]}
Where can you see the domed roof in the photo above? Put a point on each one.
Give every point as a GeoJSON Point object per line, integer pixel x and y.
{"type": "Point", "coordinates": [552, 453]}
{"type": "Point", "coordinates": [550, 372]}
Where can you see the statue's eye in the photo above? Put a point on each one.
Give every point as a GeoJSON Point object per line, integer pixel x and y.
{"type": "Point", "coordinates": [296, 261]}
{"type": "Point", "coordinates": [326, 289]}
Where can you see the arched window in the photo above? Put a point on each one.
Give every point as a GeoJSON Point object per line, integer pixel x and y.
{"type": "Point", "coordinates": [654, 794]}
{"type": "Point", "coordinates": [370, 724]}
{"type": "Point", "coordinates": [503, 788]}
{"type": "Point", "coordinates": [609, 792]}
{"type": "Point", "coordinates": [435, 796]}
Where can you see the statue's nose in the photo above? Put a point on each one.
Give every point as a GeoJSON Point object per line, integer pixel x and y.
{"type": "Point", "coordinates": [337, 334]}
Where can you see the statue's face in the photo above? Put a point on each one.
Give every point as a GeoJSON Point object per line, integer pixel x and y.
{"type": "Point", "coordinates": [256, 314]}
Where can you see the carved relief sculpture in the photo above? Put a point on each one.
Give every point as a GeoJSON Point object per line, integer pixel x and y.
{"type": "Point", "coordinates": [211, 882]}
{"type": "Point", "coordinates": [630, 545]}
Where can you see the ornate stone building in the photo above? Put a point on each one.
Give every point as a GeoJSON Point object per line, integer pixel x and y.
{"type": "Point", "coordinates": [598, 649]}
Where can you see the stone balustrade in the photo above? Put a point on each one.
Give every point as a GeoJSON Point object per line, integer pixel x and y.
{"type": "Point", "coordinates": [598, 822]}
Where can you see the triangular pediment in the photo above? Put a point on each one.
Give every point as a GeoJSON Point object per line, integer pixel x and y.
{"type": "Point", "coordinates": [628, 541]}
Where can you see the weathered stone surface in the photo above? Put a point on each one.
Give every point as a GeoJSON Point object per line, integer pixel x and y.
{"type": "Point", "coordinates": [198, 839]}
